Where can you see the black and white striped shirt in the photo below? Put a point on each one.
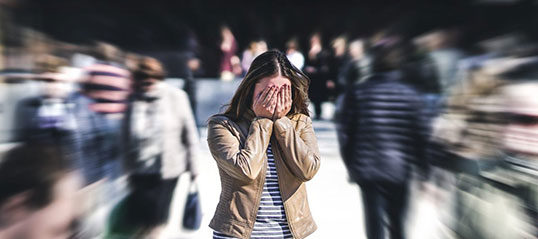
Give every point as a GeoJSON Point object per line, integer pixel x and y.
{"type": "Point", "coordinates": [271, 219]}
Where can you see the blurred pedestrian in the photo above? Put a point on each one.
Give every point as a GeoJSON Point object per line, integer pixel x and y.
{"type": "Point", "coordinates": [228, 46]}
{"type": "Point", "coordinates": [96, 144]}
{"type": "Point", "coordinates": [194, 69]}
{"type": "Point", "coordinates": [356, 70]}
{"type": "Point", "coordinates": [489, 128]}
{"type": "Point", "coordinates": [255, 49]}
{"type": "Point", "coordinates": [161, 139]}
{"type": "Point", "coordinates": [316, 67]}
{"type": "Point", "coordinates": [248, 56]}
{"type": "Point", "coordinates": [381, 136]}
{"type": "Point", "coordinates": [38, 193]}
{"type": "Point", "coordinates": [264, 144]}
{"type": "Point", "coordinates": [519, 146]}
{"type": "Point", "coordinates": [338, 59]}
{"type": "Point", "coordinates": [445, 56]}
{"type": "Point", "coordinates": [45, 118]}
{"type": "Point", "coordinates": [294, 54]}
{"type": "Point", "coordinates": [98, 108]}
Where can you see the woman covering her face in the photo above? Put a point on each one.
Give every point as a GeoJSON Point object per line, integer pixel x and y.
{"type": "Point", "coordinates": [265, 149]}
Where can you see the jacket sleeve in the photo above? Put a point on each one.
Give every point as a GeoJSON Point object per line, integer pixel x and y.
{"type": "Point", "coordinates": [300, 148]}
{"type": "Point", "coordinates": [243, 162]}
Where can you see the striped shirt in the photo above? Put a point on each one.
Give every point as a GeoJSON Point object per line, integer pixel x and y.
{"type": "Point", "coordinates": [109, 86]}
{"type": "Point", "coordinates": [271, 219]}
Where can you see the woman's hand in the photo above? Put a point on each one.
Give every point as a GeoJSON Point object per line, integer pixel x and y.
{"type": "Point", "coordinates": [265, 103]}
{"type": "Point", "coordinates": [283, 105]}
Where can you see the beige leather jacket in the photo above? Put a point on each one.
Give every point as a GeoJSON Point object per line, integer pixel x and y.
{"type": "Point", "coordinates": [240, 151]}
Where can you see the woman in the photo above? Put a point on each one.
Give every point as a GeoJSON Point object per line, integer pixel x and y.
{"type": "Point", "coordinates": [265, 150]}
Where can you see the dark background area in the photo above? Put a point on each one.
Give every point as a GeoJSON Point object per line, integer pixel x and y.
{"type": "Point", "coordinates": [168, 25]}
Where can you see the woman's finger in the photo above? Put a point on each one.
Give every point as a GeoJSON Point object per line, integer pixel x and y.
{"type": "Point", "coordinates": [288, 93]}
{"type": "Point", "coordinates": [261, 96]}
{"type": "Point", "coordinates": [288, 96]}
{"type": "Point", "coordinates": [273, 105]}
{"type": "Point", "coordinates": [267, 99]}
{"type": "Point", "coordinates": [282, 99]}
{"type": "Point", "coordinates": [271, 96]}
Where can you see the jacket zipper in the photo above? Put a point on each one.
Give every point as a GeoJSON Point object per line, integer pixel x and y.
{"type": "Point", "coordinates": [258, 201]}
{"type": "Point", "coordinates": [279, 188]}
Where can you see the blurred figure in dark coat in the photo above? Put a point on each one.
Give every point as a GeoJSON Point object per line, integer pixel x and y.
{"type": "Point", "coordinates": [381, 134]}
{"type": "Point", "coordinates": [316, 67]}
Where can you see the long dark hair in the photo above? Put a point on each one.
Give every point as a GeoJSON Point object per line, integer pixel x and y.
{"type": "Point", "coordinates": [268, 64]}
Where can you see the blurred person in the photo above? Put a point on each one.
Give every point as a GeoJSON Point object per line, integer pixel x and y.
{"type": "Point", "coordinates": [338, 59]}
{"type": "Point", "coordinates": [356, 70]}
{"type": "Point", "coordinates": [422, 72]}
{"type": "Point", "coordinates": [194, 64]}
{"type": "Point", "coordinates": [183, 63]}
{"type": "Point", "coordinates": [465, 131]}
{"type": "Point", "coordinates": [261, 47]}
{"type": "Point", "coordinates": [520, 147]}
{"type": "Point", "coordinates": [98, 108]}
{"type": "Point", "coordinates": [38, 193]}
{"type": "Point", "coordinates": [45, 117]}
{"type": "Point", "coordinates": [317, 69]}
{"type": "Point", "coordinates": [161, 139]}
{"type": "Point", "coordinates": [446, 56]}
{"type": "Point", "coordinates": [228, 46]}
{"type": "Point", "coordinates": [193, 51]}
{"type": "Point", "coordinates": [265, 137]}
{"type": "Point", "coordinates": [248, 55]}
{"type": "Point", "coordinates": [194, 69]}
{"type": "Point", "coordinates": [381, 135]}
{"type": "Point", "coordinates": [488, 128]}
{"type": "Point", "coordinates": [294, 54]}
{"type": "Point", "coordinates": [255, 49]}
{"type": "Point", "coordinates": [236, 66]}
{"type": "Point", "coordinates": [96, 144]}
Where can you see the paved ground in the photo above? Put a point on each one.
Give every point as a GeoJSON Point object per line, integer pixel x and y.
{"type": "Point", "coordinates": [334, 201]}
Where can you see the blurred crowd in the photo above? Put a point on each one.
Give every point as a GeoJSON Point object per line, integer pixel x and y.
{"type": "Point", "coordinates": [106, 139]}
{"type": "Point", "coordinates": [107, 126]}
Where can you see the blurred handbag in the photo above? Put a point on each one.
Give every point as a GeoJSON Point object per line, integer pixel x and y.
{"type": "Point", "coordinates": [192, 215]}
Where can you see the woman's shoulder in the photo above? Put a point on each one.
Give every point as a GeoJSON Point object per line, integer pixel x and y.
{"type": "Point", "coordinates": [218, 119]}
